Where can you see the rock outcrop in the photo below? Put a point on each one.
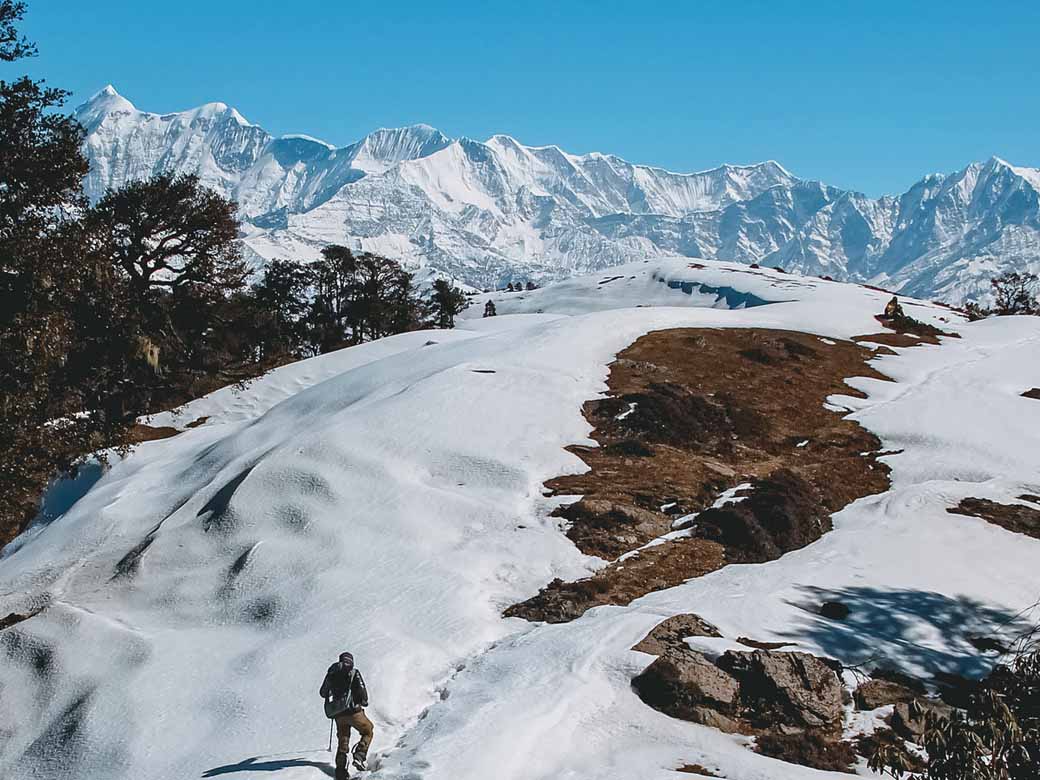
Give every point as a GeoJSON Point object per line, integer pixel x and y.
{"type": "Point", "coordinates": [909, 719]}
{"type": "Point", "coordinates": [879, 693]}
{"type": "Point", "coordinates": [760, 692]}
{"type": "Point", "coordinates": [673, 631]}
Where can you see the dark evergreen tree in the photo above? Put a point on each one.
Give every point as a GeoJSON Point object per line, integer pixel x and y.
{"type": "Point", "coordinates": [384, 300]}
{"type": "Point", "coordinates": [334, 278]}
{"type": "Point", "coordinates": [44, 278]}
{"type": "Point", "coordinates": [281, 298]}
{"type": "Point", "coordinates": [13, 46]}
{"type": "Point", "coordinates": [104, 312]}
{"type": "Point", "coordinates": [446, 302]}
{"type": "Point", "coordinates": [171, 244]}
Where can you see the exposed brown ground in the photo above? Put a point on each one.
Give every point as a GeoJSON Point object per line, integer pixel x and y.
{"type": "Point", "coordinates": [905, 332]}
{"type": "Point", "coordinates": [696, 769]}
{"type": "Point", "coordinates": [141, 433]}
{"type": "Point", "coordinates": [713, 409]}
{"type": "Point", "coordinates": [14, 618]}
{"type": "Point", "coordinates": [1012, 517]}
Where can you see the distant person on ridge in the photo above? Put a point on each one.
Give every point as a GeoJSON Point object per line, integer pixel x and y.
{"type": "Point", "coordinates": [346, 697]}
{"type": "Point", "coordinates": [893, 311]}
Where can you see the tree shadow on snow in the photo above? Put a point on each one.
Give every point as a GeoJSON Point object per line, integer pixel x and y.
{"type": "Point", "coordinates": [912, 630]}
{"type": "Point", "coordinates": [256, 765]}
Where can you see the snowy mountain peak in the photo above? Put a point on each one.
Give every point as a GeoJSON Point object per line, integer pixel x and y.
{"type": "Point", "coordinates": [107, 91]}
{"type": "Point", "coordinates": [103, 102]}
{"type": "Point", "coordinates": [1030, 176]}
{"type": "Point", "coordinates": [388, 146]}
{"type": "Point", "coordinates": [218, 109]}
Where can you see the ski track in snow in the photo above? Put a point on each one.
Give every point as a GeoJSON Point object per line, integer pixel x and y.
{"type": "Point", "coordinates": [387, 498]}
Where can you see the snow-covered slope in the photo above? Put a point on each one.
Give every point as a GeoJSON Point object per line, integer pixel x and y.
{"type": "Point", "coordinates": [496, 211]}
{"type": "Point", "coordinates": [388, 499]}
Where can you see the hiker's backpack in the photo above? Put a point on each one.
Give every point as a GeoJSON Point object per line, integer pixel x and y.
{"type": "Point", "coordinates": [337, 705]}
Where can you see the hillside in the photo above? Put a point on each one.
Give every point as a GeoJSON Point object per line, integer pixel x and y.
{"type": "Point", "coordinates": [172, 616]}
{"type": "Point", "coordinates": [495, 211]}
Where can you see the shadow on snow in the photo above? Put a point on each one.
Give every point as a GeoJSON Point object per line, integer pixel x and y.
{"type": "Point", "coordinates": [907, 628]}
{"type": "Point", "coordinates": [255, 764]}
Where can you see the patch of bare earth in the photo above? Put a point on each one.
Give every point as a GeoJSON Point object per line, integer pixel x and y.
{"type": "Point", "coordinates": [696, 769]}
{"type": "Point", "coordinates": [1012, 517]}
{"type": "Point", "coordinates": [691, 413]}
{"type": "Point", "coordinates": [14, 618]}
{"type": "Point", "coordinates": [140, 432]}
{"type": "Point", "coordinates": [903, 331]}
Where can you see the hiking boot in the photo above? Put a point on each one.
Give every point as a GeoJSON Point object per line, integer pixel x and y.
{"type": "Point", "coordinates": [342, 773]}
{"type": "Point", "coordinates": [359, 763]}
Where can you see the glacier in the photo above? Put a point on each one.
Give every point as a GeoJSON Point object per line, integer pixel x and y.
{"type": "Point", "coordinates": [487, 213]}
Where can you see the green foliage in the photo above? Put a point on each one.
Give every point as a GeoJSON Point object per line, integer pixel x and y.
{"type": "Point", "coordinates": [446, 303]}
{"type": "Point", "coordinates": [280, 304]}
{"type": "Point", "coordinates": [12, 45]}
{"type": "Point", "coordinates": [169, 232]}
{"type": "Point", "coordinates": [42, 276]}
{"type": "Point", "coordinates": [139, 302]}
{"type": "Point", "coordinates": [104, 312]}
{"type": "Point", "coordinates": [359, 297]}
{"type": "Point", "coordinates": [997, 737]}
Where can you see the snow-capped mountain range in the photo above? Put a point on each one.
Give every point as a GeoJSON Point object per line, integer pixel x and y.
{"type": "Point", "coordinates": [489, 212]}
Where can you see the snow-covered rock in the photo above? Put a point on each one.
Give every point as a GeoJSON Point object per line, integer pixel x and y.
{"type": "Point", "coordinates": [489, 212]}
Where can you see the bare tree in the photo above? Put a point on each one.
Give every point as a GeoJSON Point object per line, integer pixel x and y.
{"type": "Point", "coordinates": [1016, 293]}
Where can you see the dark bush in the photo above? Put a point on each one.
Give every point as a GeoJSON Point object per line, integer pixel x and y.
{"type": "Point", "coordinates": [782, 513]}
{"type": "Point", "coordinates": [632, 448]}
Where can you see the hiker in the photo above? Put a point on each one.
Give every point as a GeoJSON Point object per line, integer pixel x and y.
{"type": "Point", "coordinates": [489, 309]}
{"type": "Point", "coordinates": [893, 311]}
{"type": "Point", "coordinates": [346, 697]}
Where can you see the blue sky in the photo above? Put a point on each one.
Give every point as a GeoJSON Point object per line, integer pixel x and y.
{"type": "Point", "coordinates": [869, 96]}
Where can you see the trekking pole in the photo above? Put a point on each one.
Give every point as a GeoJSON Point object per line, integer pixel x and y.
{"type": "Point", "coordinates": [331, 724]}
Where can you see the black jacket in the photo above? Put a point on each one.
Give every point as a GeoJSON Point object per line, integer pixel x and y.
{"type": "Point", "coordinates": [336, 681]}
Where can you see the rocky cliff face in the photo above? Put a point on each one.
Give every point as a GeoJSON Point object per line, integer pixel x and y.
{"type": "Point", "coordinates": [493, 211]}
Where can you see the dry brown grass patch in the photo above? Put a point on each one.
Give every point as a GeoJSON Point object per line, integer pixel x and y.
{"type": "Point", "coordinates": [691, 413]}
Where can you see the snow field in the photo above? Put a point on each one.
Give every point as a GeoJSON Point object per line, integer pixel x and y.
{"type": "Point", "coordinates": [387, 499]}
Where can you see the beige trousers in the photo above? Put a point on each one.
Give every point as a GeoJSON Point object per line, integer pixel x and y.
{"type": "Point", "coordinates": [358, 720]}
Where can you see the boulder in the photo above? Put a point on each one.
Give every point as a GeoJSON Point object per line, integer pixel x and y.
{"type": "Point", "coordinates": [759, 692]}
{"type": "Point", "coordinates": [878, 693]}
{"type": "Point", "coordinates": [673, 631]}
{"type": "Point", "coordinates": [909, 719]}
{"type": "Point", "coordinates": [686, 684]}
{"type": "Point", "coordinates": [786, 692]}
